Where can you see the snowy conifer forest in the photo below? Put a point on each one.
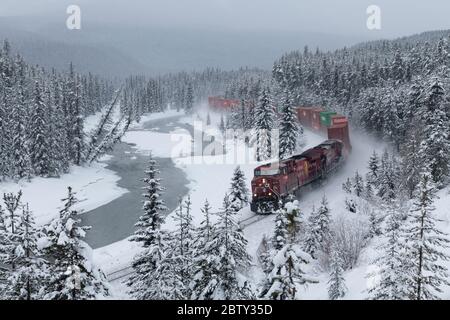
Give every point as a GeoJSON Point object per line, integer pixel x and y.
{"type": "Point", "coordinates": [140, 187]}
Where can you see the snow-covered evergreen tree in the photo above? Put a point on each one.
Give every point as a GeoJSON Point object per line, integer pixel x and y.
{"type": "Point", "coordinates": [279, 239]}
{"type": "Point", "coordinates": [288, 273]}
{"type": "Point", "coordinates": [238, 190]}
{"type": "Point", "coordinates": [19, 117]}
{"type": "Point", "coordinates": [204, 260]}
{"type": "Point", "coordinates": [289, 128]}
{"type": "Point", "coordinates": [368, 191]}
{"type": "Point", "coordinates": [222, 125]}
{"type": "Point", "coordinates": [12, 229]}
{"type": "Point", "coordinates": [388, 178]}
{"type": "Point", "coordinates": [39, 148]}
{"type": "Point", "coordinates": [27, 280]}
{"type": "Point", "coordinates": [336, 283]}
{"type": "Point", "coordinates": [374, 223]}
{"type": "Point", "coordinates": [294, 221]}
{"type": "Point", "coordinates": [358, 184]}
{"type": "Point", "coordinates": [153, 206]}
{"type": "Point", "coordinates": [264, 125]}
{"type": "Point", "coordinates": [435, 148]}
{"type": "Point", "coordinates": [411, 161]}
{"type": "Point", "coordinates": [189, 99]}
{"type": "Point", "coordinates": [74, 276]}
{"type": "Point", "coordinates": [229, 246]}
{"type": "Point", "coordinates": [183, 244]}
{"type": "Point", "coordinates": [318, 231]}
{"type": "Point", "coordinates": [374, 167]}
{"type": "Point", "coordinates": [392, 262]}
{"type": "Point", "coordinates": [426, 245]}
{"type": "Point", "coordinates": [347, 186]}
{"type": "Point", "coordinates": [285, 268]}
{"type": "Point", "coordinates": [155, 274]}
{"type": "Point", "coordinates": [312, 238]}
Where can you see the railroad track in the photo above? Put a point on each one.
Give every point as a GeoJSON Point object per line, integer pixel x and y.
{"type": "Point", "coordinates": [119, 274]}
{"type": "Point", "coordinates": [124, 273]}
{"type": "Point", "coordinates": [252, 220]}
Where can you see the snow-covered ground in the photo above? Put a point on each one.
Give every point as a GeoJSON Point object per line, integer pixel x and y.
{"type": "Point", "coordinates": [94, 185]}
{"type": "Point", "coordinates": [210, 177]}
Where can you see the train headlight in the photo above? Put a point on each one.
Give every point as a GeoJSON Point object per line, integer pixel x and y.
{"type": "Point", "coordinates": [270, 193]}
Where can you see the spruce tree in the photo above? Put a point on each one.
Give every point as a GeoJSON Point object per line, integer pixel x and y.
{"type": "Point", "coordinates": [388, 178]}
{"type": "Point", "coordinates": [313, 235]}
{"type": "Point", "coordinates": [222, 125]}
{"type": "Point", "coordinates": [238, 189]}
{"type": "Point", "coordinates": [288, 263]}
{"type": "Point", "coordinates": [204, 260]}
{"type": "Point", "coordinates": [318, 233]}
{"type": "Point", "coordinates": [39, 148]}
{"type": "Point", "coordinates": [411, 161]}
{"type": "Point", "coordinates": [154, 274]}
{"type": "Point", "coordinates": [374, 167]}
{"type": "Point", "coordinates": [153, 206]}
{"type": "Point", "coordinates": [74, 276]}
{"type": "Point", "coordinates": [289, 129]}
{"type": "Point", "coordinates": [358, 184]}
{"type": "Point", "coordinates": [280, 234]}
{"type": "Point", "coordinates": [183, 242]}
{"type": "Point", "coordinates": [347, 186]}
{"type": "Point", "coordinates": [229, 246]}
{"type": "Point", "coordinates": [189, 99]}
{"type": "Point", "coordinates": [19, 117]}
{"type": "Point", "coordinates": [426, 245]}
{"type": "Point", "coordinates": [12, 228]}
{"type": "Point", "coordinates": [336, 283]}
{"type": "Point", "coordinates": [392, 261]}
{"type": "Point", "coordinates": [264, 126]}
{"type": "Point", "coordinates": [323, 222]}
{"type": "Point", "coordinates": [27, 281]}
{"type": "Point", "coordinates": [435, 147]}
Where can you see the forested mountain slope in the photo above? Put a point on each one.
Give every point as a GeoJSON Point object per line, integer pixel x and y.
{"type": "Point", "coordinates": [397, 89]}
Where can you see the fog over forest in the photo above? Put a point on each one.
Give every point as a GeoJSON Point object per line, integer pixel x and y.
{"type": "Point", "coordinates": [159, 36]}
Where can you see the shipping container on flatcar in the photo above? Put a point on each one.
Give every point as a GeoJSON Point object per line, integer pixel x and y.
{"type": "Point", "coordinates": [222, 104]}
{"type": "Point", "coordinates": [325, 118]}
{"type": "Point", "coordinates": [315, 118]}
{"type": "Point", "coordinates": [341, 132]}
{"type": "Point", "coordinates": [304, 115]}
{"type": "Point", "coordinates": [338, 120]}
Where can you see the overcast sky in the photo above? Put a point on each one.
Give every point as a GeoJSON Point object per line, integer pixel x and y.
{"type": "Point", "coordinates": [399, 17]}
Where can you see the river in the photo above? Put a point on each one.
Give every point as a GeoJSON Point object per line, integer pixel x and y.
{"type": "Point", "coordinates": [115, 221]}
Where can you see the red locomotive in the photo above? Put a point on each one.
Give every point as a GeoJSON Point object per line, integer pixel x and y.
{"type": "Point", "coordinates": [274, 182]}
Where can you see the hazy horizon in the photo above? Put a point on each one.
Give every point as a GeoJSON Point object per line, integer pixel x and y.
{"type": "Point", "coordinates": [170, 35]}
{"type": "Point", "coordinates": [348, 17]}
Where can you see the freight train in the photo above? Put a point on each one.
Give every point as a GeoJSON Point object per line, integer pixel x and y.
{"type": "Point", "coordinates": [274, 182]}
